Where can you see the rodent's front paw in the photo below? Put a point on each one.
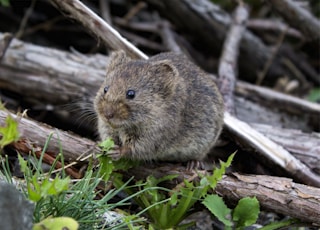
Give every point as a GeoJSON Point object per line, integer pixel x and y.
{"type": "Point", "coordinates": [118, 152]}
{"type": "Point", "coordinates": [195, 164]}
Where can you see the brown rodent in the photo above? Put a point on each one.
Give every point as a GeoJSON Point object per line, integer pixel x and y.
{"type": "Point", "coordinates": [164, 108]}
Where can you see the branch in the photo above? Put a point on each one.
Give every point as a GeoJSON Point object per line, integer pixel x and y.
{"type": "Point", "coordinates": [100, 28]}
{"type": "Point", "coordinates": [228, 61]}
{"type": "Point", "coordinates": [298, 17]}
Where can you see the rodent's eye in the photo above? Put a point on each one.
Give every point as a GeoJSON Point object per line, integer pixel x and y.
{"type": "Point", "coordinates": [130, 94]}
{"type": "Point", "coordinates": [105, 89]}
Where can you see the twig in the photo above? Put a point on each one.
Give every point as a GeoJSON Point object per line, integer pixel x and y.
{"type": "Point", "coordinates": [25, 20]}
{"type": "Point", "coordinates": [105, 11]}
{"type": "Point", "coordinates": [228, 61]}
{"type": "Point", "coordinates": [273, 25]}
{"type": "Point", "coordinates": [298, 17]}
{"type": "Point", "coordinates": [97, 26]}
{"type": "Point", "coordinates": [134, 10]}
{"type": "Point", "coordinates": [168, 39]}
{"type": "Point", "coordinates": [262, 74]}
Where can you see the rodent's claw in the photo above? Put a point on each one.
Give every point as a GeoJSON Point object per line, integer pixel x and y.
{"type": "Point", "coordinates": [195, 164]}
{"type": "Point", "coordinates": [118, 152]}
{"type": "Point", "coordinates": [115, 153]}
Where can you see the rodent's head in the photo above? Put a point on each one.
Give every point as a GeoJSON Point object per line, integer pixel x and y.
{"type": "Point", "coordinates": [135, 91]}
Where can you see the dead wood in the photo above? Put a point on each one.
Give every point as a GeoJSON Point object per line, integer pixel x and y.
{"type": "Point", "coordinates": [276, 194]}
{"type": "Point", "coordinates": [36, 68]}
{"type": "Point", "coordinates": [304, 146]}
{"type": "Point", "coordinates": [228, 65]}
{"type": "Point", "coordinates": [208, 25]}
{"type": "Point", "coordinates": [298, 17]}
{"type": "Point", "coordinates": [100, 28]}
{"type": "Point", "coordinates": [249, 136]}
{"type": "Point", "coordinates": [33, 134]}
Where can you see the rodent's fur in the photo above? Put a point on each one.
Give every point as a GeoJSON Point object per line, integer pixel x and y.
{"type": "Point", "coordinates": [175, 115]}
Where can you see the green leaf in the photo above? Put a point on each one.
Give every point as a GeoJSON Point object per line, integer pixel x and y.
{"type": "Point", "coordinates": [9, 132]}
{"type": "Point", "coordinates": [219, 172]}
{"type": "Point", "coordinates": [106, 167]}
{"type": "Point", "coordinates": [217, 207]}
{"type": "Point", "coordinates": [59, 223]}
{"type": "Point", "coordinates": [106, 145]}
{"type": "Point", "coordinates": [314, 95]}
{"type": "Point", "coordinates": [246, 212]}
{"type": "Point", "coordinates": [5, 2]}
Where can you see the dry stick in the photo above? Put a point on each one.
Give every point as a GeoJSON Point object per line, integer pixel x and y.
{"type": "Point", "coordinates": [228, 61]}
{"type": "Point", "coordinates": [298, 17]}
{"type": "Point", "coordinates": [263, 73]}
{"type": "Point", "coordinates": [81, 13]}
{"type": "Point", "coordinates": [168, 37]}
{"type": "Point", "coordinates": [25, 19]}
{"type": "Point", "coordinates": [105, 10]}
{"type": "Point", "coordinates": [270, 96]}
{"type": "Point", "coordinates": [77, 10]}
{"type": "Point", "coordinates": [273, 25]}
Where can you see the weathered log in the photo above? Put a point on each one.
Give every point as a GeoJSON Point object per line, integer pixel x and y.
{"type": "Point", "coordinates": [73, 147]}
{"type": "Point", "coordinates": [58, 69]}
{"type": "Point", "coordinates": [276, 194]}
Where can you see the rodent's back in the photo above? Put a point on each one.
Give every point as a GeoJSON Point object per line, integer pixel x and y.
{"type": "Point", "coordinates": [203, 108]}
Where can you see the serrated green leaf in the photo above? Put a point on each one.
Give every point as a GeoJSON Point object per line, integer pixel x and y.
{"type": "Point", "coordinates": [219, 172]}
{"type": "Point", "coordinates": [9, 132]}
{"type": "Point", "coordinates": [217, 207]}
{"type": "Point", "coordinates": [62, 184]}
{"type": "Point", "coordinates": [59, 223]}
{"type": "Point", "coordinates": [246, 212]}
{"type": "Point", "coordinates": [32, 194]}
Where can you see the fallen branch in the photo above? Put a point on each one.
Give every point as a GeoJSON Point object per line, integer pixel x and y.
{"type": "Point", "coordinates": [228, 61]}
{"type": "Point", "coordinates": [36, 133]}
{"type": "Point", "coordinates": [100, 28]}
{"type": "Point", "coordinates": [298, 17]}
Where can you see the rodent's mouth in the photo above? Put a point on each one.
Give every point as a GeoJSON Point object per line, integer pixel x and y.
{"type": "Point", "coordinates": [114, 123]}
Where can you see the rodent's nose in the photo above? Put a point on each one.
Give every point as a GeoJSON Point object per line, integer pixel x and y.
{"type": "Point", "coordinates": [109, 114]}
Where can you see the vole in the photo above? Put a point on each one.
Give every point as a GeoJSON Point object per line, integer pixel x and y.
{"type": "Point", "coordinates": [164, 108]}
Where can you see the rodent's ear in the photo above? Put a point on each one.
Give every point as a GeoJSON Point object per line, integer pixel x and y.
{"type": "Point", "coordinates": [164, 67]}
{"type": "Point", "coordinates": [117, 58]}
{"type": "Point", "coordinates": [165, 74]}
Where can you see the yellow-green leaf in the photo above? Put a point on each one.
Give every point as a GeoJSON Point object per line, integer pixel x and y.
{"type": "Point", "coordinates": [9, 132]}
{"type": "Point", "coordinates": [59, 223]}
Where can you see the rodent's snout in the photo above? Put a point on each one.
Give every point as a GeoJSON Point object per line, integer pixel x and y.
{"type": "Point", "coordinates": [109, 112]}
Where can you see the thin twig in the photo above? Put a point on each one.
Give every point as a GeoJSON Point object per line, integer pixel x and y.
{"type": "Point", "coordinates": [262, 74]}
{"type": "Point", "coordinates": [97, 26]}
